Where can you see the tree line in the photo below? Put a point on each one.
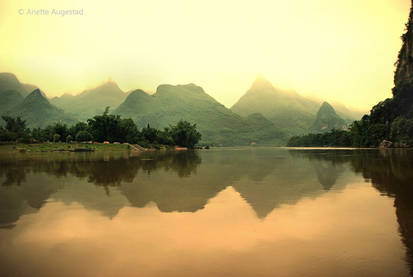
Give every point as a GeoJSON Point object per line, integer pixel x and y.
{"type": "Point", "coordinates": [390, 120]}
{"type": "Point", "coordinates": [100, 128]}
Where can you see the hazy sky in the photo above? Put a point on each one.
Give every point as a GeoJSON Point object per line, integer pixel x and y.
{"type": "Point", "coordinates": [340, 50]}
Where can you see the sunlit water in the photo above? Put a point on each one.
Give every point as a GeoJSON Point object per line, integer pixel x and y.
{"type": "Point", "coordinates": [221, 212]}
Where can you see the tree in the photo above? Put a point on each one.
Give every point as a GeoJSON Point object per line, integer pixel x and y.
{"type": "Point", "coordinates": [150, 134]}
{"type": "Point", "coordinates": [15, 129]}
{"type": "Point", "coordinates": [185, 134]}
{"type": "Point", "coordinates": [61, 129]}
{"type": "Point", "coordinates": [105, 127]}
{"type": "Point", "coordinates": [80, 126]}
{"type": "Point", "coordinates": [128, 131]}
{"type": "Point", "coordinates": [83, 136]}
{"type": "Point", "coordinates": [109, 127]}
{"type": "Point", "coordinates": [56, 138]}
{"type": "Point", "coordinates": [165, 137]}
{"type": "Point", "coordinates": [69, 138]}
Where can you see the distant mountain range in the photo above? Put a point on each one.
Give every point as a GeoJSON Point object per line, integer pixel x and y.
{"type": "Point", "coordinates": [38, 112]}
{"type": "Point", "coordinates": [9, 82]}
{"type": "Point", "coordinates": [289, 111]}
{"type": "Point", "coordinates": [92, 101]}
{"type": "Point", "coordinates": [216, 123]}
{"type": "Point", "coordinates": [264, 115]}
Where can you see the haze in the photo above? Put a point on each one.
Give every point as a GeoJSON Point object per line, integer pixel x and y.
{"type": "Point", "coordinates": [339, 50]}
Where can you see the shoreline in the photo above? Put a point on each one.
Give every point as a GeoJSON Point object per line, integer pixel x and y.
{"type": "Point", "coordinates": [49, 147]}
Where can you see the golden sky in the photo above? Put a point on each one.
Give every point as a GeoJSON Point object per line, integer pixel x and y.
{"type": "Point", "coordinates": [341, 50]}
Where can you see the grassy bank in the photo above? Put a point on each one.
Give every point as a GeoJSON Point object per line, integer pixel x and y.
{"type": "Point", "coordinates": [59, 146]}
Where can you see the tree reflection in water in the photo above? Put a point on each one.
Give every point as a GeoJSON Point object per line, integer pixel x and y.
{"type": "Point", "coordinates": [185, 181]}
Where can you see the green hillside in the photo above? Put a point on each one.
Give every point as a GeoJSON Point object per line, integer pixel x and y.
{"type": "Point", "coordinates": [38, 112]}
{"type": "Point", "coordinates": [9, 100]}
{"type": "Point", "coordinates": [217, 124]}
{"type": "Point", "coordinates": [92, 101]}
{"type": "Point", "coordinates": [289, 111]}
{"type": "Point", "coordinates": [9, 82]}
{"type": "Point", "coordinates": [327, 119]}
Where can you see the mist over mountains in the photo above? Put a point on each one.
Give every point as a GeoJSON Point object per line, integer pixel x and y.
{"type": "Point", "coordinates": [289, 111]}
{"type": "Point", "coordinates": [263, 115]}
{"type": "Point", "coordinates": [92, 101]}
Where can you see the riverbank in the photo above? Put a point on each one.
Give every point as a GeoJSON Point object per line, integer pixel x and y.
{"type": "Point", "coordinates": [63, 147]}
{"type": "Point", "coordinates": [86, 147]}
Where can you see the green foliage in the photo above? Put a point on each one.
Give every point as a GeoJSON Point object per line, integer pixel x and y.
{"type": "Point", "coordinates": [69, 138]}
{"type": "Point", "coordinates": [333, 138]}
{"type": "Point", "coordinates": [165, 137]}
{"type": "Point", "coordinates": [108, 127]}
{"type": "Point", "coordinates": [15, 129]}
{"type": "Point", "coordinates": [101, 128]}
{"type": "Point", "coordinates": [383, 123]}
{"type": "Point", "coordinates": [60, 129]}
{"type": "Point", "coordinates": [128, 132]}
{"type": "Point", "coordinates": [15, 125]}
{"type": "Point", "coordinates": [56, 138]}
{"type": "Point", "coordinates": [149, 134]}
{"type": "Point", "coordinates": [83, 135]}
{"type": "Point", "coordinates": [185, 134]}
{"type": "Point", "coordinates": [75, 129]}
{"type": "Point", "coordinates": [401, 131]}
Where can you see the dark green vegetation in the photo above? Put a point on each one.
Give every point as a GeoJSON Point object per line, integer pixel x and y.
{"type": "Point", "coordinates": [217, 124]}
{"type": "Point", "coordinates": [330, 139]}
{"type": "Point", "coordinates": [100, 128]}
{"type": "Point", "coordinates": [390, 120]}
{"type": "Point", "coordinates": [327, 119]}
{"type": "Point", "coordinates": [290, 112]}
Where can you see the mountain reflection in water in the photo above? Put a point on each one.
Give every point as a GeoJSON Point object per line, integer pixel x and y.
{"type": "Point", "coordinates": [269, 180]}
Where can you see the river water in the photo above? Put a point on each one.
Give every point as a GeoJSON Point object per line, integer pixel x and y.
{"type": "Point", "coordinates": [219, 212]}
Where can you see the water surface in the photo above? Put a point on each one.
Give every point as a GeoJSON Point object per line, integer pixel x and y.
{"type": "Point", "coordinates": [222, 212]}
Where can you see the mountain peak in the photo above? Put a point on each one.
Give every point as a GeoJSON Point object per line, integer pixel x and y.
{"type": "Point", "coordinates": [137, 92]}
{"type": "Point", "coordinates": [108, 85]}
{"type": "Point", "coordinates": [187, 89]}
{"type": "Point", "coordinates": [36, 92]}
{"type": "Point", "coordinates": [327, 119]}
{"type": "Point", "coordinates": [107, 89]}
{"type": "Point", "coordinates": [326, 107]}
{"type": "Point", "coordinates": [8, 75]}
{"type": "Point", "coordinates": [36, 96]}
{"type": "Point", "coordinates": [9, 81]}
{"type": "Point", "coordinates": [261, 82]}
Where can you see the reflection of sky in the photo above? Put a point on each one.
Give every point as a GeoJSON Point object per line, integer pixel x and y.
{"type": "Point", "coordinates": [220, 212]}
{"type": "Point", "coordinates": [341, 233]}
